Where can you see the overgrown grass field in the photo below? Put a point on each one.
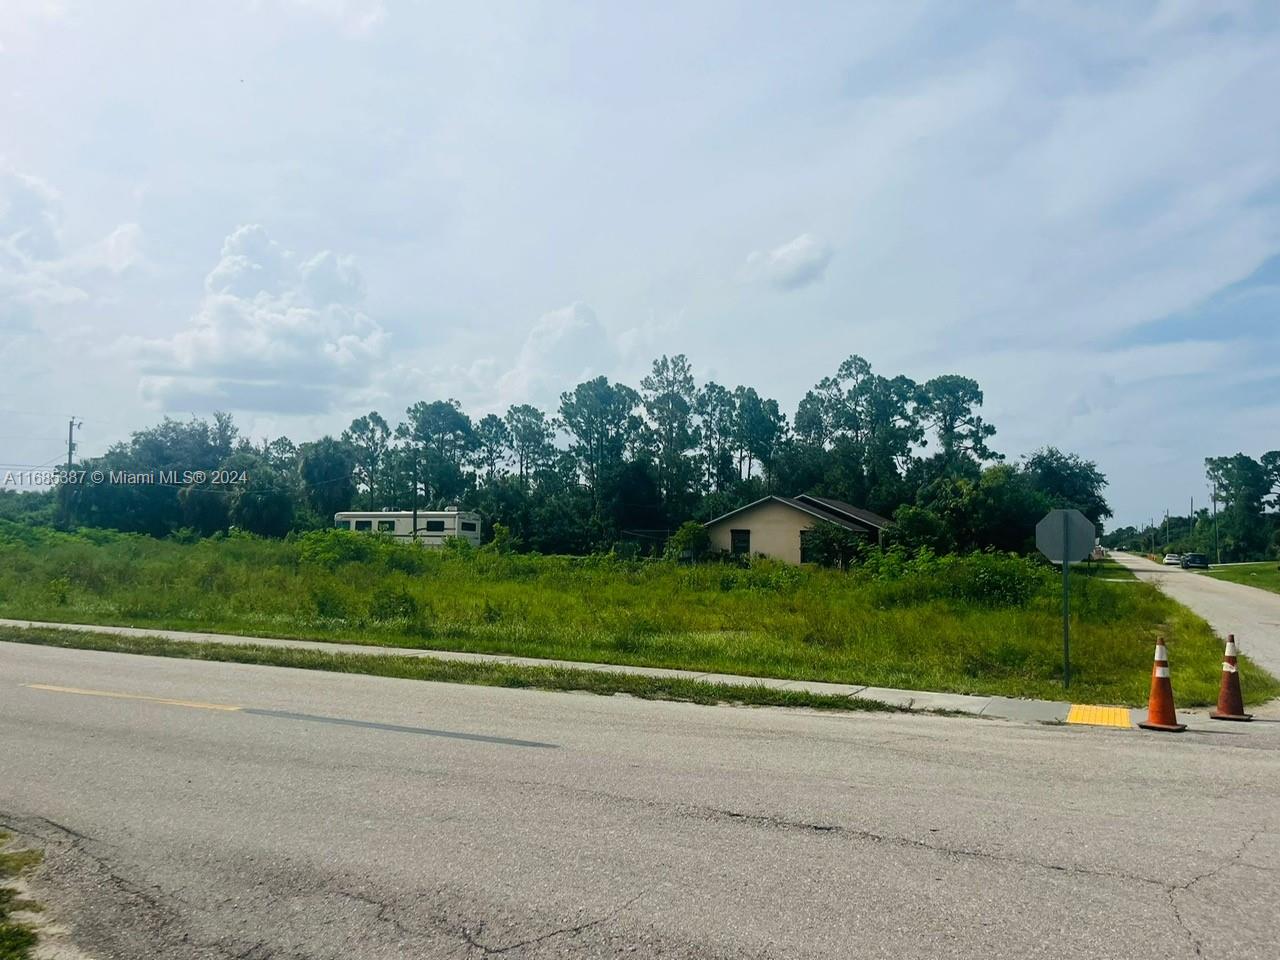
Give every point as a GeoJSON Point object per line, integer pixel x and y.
{"type": "Point", "coordinates": [984, 623]}
{"type": "Point", "coordinates": [1264, 576]}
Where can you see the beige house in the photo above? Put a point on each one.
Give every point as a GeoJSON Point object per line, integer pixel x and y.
{"type": "Point", "coordinates": [776, 526]}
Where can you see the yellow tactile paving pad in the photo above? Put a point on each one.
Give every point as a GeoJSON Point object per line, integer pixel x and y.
{"type": "Point", "coordinates": [1099, 716]}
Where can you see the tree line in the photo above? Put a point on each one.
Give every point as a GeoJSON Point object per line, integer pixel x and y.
{"type": "Point", "coordinates": [1240, 522]}
{"type": "Point", "coordinates": [614, 464]}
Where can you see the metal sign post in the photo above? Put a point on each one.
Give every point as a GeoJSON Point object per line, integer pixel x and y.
{"type": "Point", "coordinates": [1066, 609]}
{"type": "Point", "coordinates": [1065, 536]}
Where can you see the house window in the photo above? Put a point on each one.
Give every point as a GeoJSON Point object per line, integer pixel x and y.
{"type": "Point", "coordinates": [807, 553]}
{"type": "Point", "coordinates": [468, 526]}
{"type": "Point", "coordinates": [386, 526]}
{"type": "Point", "coordinates": [434, 526]}
{"type": "Point", "coordinates": [364, 524]}
{"type": "Point", "coordinates": [740, 541]}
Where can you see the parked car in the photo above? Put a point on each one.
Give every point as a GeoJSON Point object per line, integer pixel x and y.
{"type": "Point", "coordinates": [1172, 560]}
{"type": "Point", "coordinates": [1195, 561]}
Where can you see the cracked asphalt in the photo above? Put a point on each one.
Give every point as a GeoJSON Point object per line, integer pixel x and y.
{"type": "Point", "coordinates": [583, 826]}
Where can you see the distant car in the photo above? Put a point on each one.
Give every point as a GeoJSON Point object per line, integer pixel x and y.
{"type": "Point", "coordinates": [1195, 561]}
{"type": "Point", "coordinates": [1172, 560]}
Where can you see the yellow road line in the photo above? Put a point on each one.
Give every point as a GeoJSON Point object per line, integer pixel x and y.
{"type": "Point", "coordinates": [133, 696]}
{"type": "Point", "coordinates": [1099, 716]}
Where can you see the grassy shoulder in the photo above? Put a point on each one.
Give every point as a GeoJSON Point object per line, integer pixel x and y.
{"type": "Point", "coordinates": [983, 624]}
{"type": "Point", "coordinates": [1264, 576]}
{"type": "Point", "coordinates": [17, 939]}
{"type": "Point", "coordinates": [1105, 569]}
{"type": "Point", "coordinates": [447, 671]}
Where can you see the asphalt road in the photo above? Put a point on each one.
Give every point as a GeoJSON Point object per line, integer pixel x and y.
{"type": "Point", "coordinates": [1253, 615]}
{"type": "Point", "coordinates": [468, 822]}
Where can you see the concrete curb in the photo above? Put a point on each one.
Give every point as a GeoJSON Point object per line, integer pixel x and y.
{"type": "Point", "coordinates": [1003, 708]}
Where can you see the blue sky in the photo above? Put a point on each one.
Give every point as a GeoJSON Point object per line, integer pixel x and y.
{"type": "Point", "coordinates": [301, 210]}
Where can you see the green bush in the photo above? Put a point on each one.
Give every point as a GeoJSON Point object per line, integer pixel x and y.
{"type": "Point", "coordinates": [982, 579]}
{"type": "Point", "coordinates": [690, 542]}
{"type": "Point", "coordinates": [59, 590]}
{"type": "Point", "coordinates": [331, 548]}
{"type": "Point", "coordinates": [330, 601]}
{"type": "Point", "coordinates": [391, 601]}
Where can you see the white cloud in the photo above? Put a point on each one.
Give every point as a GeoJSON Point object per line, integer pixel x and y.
{"type": "Point", "coordinates": [328, 278]}
{"type": "Point", "coordinates": [271, 334]}
{"type": "Point", "coordinates": [29, 214]}
{"type": "Point", "coordinates": [563, 348]}
{"type": "Point", "coordinates": [251, 264]}
{"type": "Point", "coordinates": [118, 251]}
{"type": "Point", "coordinates": [795, 264]}
{"type": "Point", "coordinates": [37, 272]}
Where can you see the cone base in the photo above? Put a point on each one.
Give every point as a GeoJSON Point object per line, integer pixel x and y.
{"type": "Point", "coordinates": [1167, 727]}
{"type": "Point", "coordinates": [1241, 717]}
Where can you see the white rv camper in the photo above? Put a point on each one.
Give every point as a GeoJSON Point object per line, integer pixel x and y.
{"type": "Point", "coordinates": [434, 526]}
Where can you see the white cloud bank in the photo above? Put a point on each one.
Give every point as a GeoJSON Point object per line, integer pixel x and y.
{"type": "Point", "coordinates": [273, 333]}
{"type": "Point", "coordinates": [563, 348]}
{"type": "Point", "coordinates": [38, 273]}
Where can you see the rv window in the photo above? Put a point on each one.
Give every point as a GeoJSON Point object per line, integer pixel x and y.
{"type": "Point", "coordinates": [435, 526]}
{"type": "Point", "coordinates": [386, 526]}
{"type": "Point", "coordinates": [342, 524]}
{"type": "Point", "coordinates": [468, 526]}
{"type": "Point", "coordinates": [364, 524]}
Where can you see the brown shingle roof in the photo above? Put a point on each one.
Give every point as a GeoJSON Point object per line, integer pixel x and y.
{"type": "Point", "coordinates": [812, 509]}
{"type": "Point", "coordinates": [847, 510]}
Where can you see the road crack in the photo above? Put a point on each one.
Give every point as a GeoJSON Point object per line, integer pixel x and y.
{"type": "Point", "coordinates": [1173, 890]}
{"type": "Point", "coordinates": [472, 939]}
{"type": "Point", "coordinates": [834, 830]}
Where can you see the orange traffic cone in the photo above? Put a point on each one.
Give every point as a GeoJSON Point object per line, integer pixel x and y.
{"type": "Point", "coordinates": [1160, 713]}
{"type": "Point", "coordinates": [1230, 701]}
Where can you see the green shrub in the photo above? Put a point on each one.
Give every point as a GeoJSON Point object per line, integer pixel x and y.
{"type": "Point", "coordinates": [330, 601]}
{"type": "Point", "coordinates": [458, 546]}
{"type": "Point", "coordinates": [59, 590]}
{"type": "Point", "coordinates": [981, 579]}
{"type": "Point", "coordinates": [330, 548]}
{"type": "Point", "coordinates": [391, 601]}
{"type": "Point", "coordinates": [502, 541]}
{"type": "Point", "coordinates": [690, 542]}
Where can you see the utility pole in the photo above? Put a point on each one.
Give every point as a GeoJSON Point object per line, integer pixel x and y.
{"type": "Point", "coordinates": [1217, 550]}
{"type": "Point", "coordinates": [65, 492]}
{"type": "Point", "coordinates": [415, 494]}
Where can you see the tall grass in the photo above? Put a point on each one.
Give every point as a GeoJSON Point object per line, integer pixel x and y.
{"type": "Point", "coordinates": [975, 624]}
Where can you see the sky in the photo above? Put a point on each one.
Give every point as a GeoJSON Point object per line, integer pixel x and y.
{"type": "Point", "coordinates": [303, 210]}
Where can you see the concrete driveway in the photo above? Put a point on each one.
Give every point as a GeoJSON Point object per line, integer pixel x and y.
{"type": "Point", "coordinates": [1253, 615]}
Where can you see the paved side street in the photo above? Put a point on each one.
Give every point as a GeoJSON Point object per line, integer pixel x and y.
{"type": "Point", "coordinates": [1251, 614]}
